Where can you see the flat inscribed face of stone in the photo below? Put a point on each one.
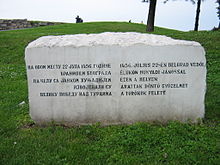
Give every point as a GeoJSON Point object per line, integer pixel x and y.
{"type": "Point", "coordinates": [115, 78]}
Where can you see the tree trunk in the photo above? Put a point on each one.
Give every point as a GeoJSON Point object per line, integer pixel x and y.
{"type": "Point", "coordinates": [197, 15]}
{"type": "Point", "coordinates": [218, 13]}
{"type": "Point", "coordinates": [151, 16]}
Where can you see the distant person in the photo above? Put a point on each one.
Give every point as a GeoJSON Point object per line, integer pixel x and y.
{"type": "Point", "coordinates": [79, 20]}
{"type": "Point", "coordinates": [129, 21]}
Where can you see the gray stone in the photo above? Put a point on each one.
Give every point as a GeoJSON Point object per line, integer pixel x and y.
{"type": "Point", "coordinates": [115, 78]}
{"type": "Point", "coordinates": [3, 25]}
{"type": "Point", "coordinates": [20, 23]}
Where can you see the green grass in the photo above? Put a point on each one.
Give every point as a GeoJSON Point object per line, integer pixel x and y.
{"type": "Point", "coordinates": [22, 142]}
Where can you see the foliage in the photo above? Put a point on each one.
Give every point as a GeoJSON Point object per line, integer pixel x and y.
{"type": "Point", "coordinates": [22, 142]}
{"type": "Point", "coordinates": [218, 8]}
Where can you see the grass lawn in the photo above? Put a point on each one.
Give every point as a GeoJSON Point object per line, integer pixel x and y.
{"type": "Point", "coordinates": [22, 142]}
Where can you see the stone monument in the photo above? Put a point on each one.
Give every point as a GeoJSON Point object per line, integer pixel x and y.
{"type": "Point", "coordinates": [115, 78]}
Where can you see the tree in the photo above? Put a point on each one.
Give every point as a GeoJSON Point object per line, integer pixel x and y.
{"type": "Point", "coordinates": [196, 27]}
{"type": "Point", "coordinates": [198, 9]}
{"type": "Point", "coordinates": [151, 15]}
{"type": "Point", "coordinates": [152, 11]}
{"type": "Point", "coordinates": [218, 12]}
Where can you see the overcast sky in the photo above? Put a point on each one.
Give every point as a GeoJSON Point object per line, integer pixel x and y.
{"type": "Point", "coordinates": [178, 15]}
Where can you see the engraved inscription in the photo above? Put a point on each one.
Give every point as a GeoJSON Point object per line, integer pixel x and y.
{"type": "Point", "coordinates": [136, 79]}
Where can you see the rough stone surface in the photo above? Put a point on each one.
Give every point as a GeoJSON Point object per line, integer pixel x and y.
{"type": "Point", "coordinates": [9, 24]}
{"type": "Point", "coordinates": [115, 78]}
{"type": "Point", "coordinates": [108, 38]}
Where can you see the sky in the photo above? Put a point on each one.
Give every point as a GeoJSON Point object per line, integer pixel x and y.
{"type": "Point", "coordinates": [178, 15]}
